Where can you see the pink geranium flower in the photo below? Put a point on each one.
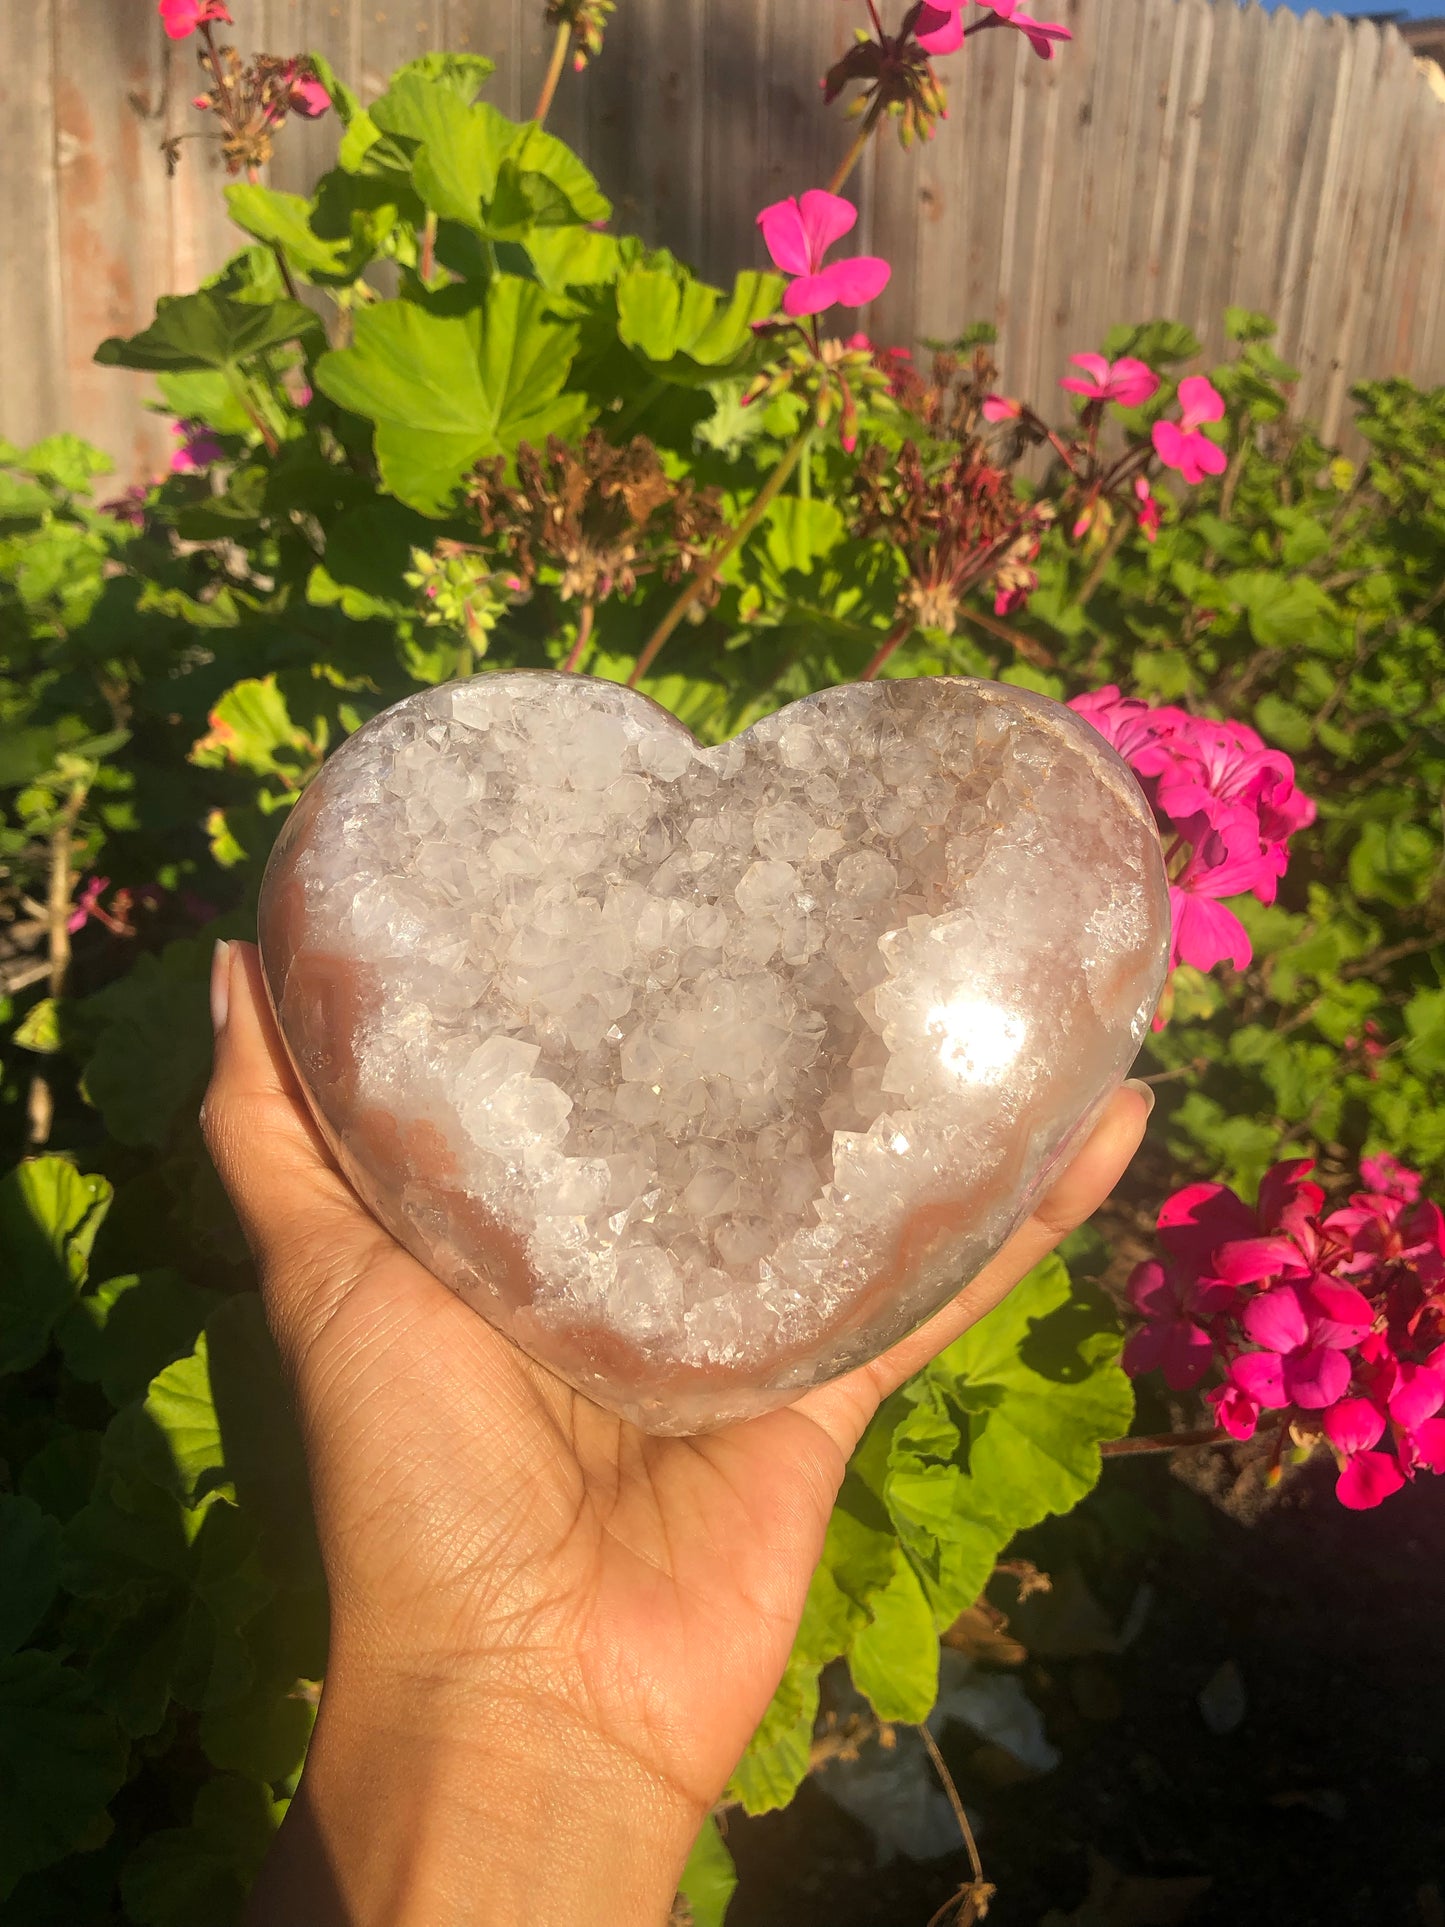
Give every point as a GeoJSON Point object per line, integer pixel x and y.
{"type": "Point", "coordinates": [1040, 34]}
{"type": "Point", "coordinates": [198, 450]}
{"type": "Point", "coordinates": [308, 97]}
{"type": "Point", "coordinates": [798, 233]}
{"type": "Point", "coordinates": [180, 18]}
{"type": "Point", "coordinates": [1388, 1178]}
{"type": "Point", "coordinates": [1226, 804]}
{"type": "Point", "coordinates": [1148, 509]}
{"type": "Point", "coordinates": [1127, 381]}
{"type": "Point", "coordinates": [1000, 408]}
{"type": "Point", "coordinates": [1174, 1338]}
{"type": "Point", "coordinates": [1180, 444]}
{"type": "Point", "coordinates": [940, 29]}
{"type": "Point", "coordinates": [1303, 1332]}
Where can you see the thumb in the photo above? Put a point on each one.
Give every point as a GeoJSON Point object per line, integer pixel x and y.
{"type": "Point", "coordinates": [308, 1232]}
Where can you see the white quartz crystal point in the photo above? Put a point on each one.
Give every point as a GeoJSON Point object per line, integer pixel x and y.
{"type": "Point", "coordinates": [706, 1074]}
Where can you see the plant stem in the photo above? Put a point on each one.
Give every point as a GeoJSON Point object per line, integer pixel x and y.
{"type": "Point", "coordinates": [554, 73]}
{"type": "Point", "coordinates": [972, 1900]}
{"type": "Point", "coordinates": [897, 635]}
{"type": "Point", "coordinates": [579, 647]}
{"type": "Point", "coordinates": [256, 418]}
{"type": "Point", "coordinates": [1164, 1442]}
{"type": "Point", "coordinates": [287, 277]}
{"type": "Point", "coordinates": [855, 153]}
{"type": "Point", "coordinates": [1102, 560]}
{"type": "Point", "coordinates": [704, 574]}
{"type": "Point", "coordinates": [1026, 646]}
{"type": "Point", "coordinates": [40, 1106]}
{"type": "Point", "coordinates": [426, 265]}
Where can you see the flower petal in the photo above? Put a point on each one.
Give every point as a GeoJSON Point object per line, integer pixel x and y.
{"type": "Point", "coordinates": [855, 282]}
{"type": "Point", "coordinates": [1418, 1396]}
{"type": "Point", "coordinates": [1316, 1377]}
{"type": "Point", "coordinates": [1369, 1478]}
{"type": "Point", "coordinates": [1339, 1315]}
{"type": "Point", "coordinates": [1199, 401]}
{"type": "Point", "coordinates": [809, 294]}
{"type": "Point", "coordinates": [784, 236]}
{"type": "Point", "coordinates": [1205, 933]}
{"type": "Point", "coordinates": [1260, 1377]}
{"type": "Point", "coordinates": [1276, 1319]}
{"type": "Point", "coordinates": [1354, 1425]}
{"type": "Point", "coordinates": [826, 218]}
{"type": "Point", "coordinates": [940, 30]}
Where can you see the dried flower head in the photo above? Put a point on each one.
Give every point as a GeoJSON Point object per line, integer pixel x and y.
{"type": "Point", "coordinates": [601, 515]}
{"type": "Point", "coordinates": [587, 20]}
{"type": "Point", "coordinates": [956, 527]}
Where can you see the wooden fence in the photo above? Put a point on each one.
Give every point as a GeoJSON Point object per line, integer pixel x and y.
{"type": "Point", "coordinates": [1177, 157]}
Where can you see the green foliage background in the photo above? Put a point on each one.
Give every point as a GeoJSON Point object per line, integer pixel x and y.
{"type": "Point", "coordinates": [169, 688]}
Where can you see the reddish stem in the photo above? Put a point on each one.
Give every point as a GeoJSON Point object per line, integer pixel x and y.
{"type": "Point", "coordinates": [1164, 1442]}
{"type": "Point", "coordinates": [897, 635]}
{"type": "Point", "coordinates": [579, 647]}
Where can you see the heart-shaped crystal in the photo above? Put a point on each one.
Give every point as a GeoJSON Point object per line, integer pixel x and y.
{"type": "Point", "coordinates": [707, 1073]}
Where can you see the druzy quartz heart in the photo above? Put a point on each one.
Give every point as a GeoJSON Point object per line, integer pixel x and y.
{"type": "Point", "coordinates": [705, 1074]}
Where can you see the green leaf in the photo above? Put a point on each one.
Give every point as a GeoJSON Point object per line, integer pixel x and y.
{"type": "Point", "coordinates": [542, 183]}
{"type": "Point", "coordinates": [673, 319]}
{"type": "Point", "coordinates": [462, 149]}
{"type": "Point", "coordinates": [770, 1772]}
{"type": "Point", "coordinates": [264, 1735]}
{"type": "Point", "coordinates": [251, 729]}
{"type": "Point", "coordinates": [67, 461]}
{"type": "Point", "coordinates": [180, 1407]}
{"type": "Point", "coordinates": [284, 220]}
{"type": "Point", "coordinates": [1393, 862]}
{"type": "Point", "coordinates": [39, 1029]}
{"type": "Point", "coordinates": [800, 531]}
{"type": "Point", "coordinates": [153, 1043]}
{"type": "Point", "coordinates": [1425, 1022]}
{"type": "Point", "coordinates": [709, 1878]}
{"type": "Point", "coordinates": [61, 1475]}
{"type": "Point", "coordinates": [61, 1760]}
{"type": "Point", "coordinates": [894, 1659]}
{"type": "Point", "coordinates": [1247, 324]}
{"type": "Point", "coordinates": [49, 1215]}
{"type": "Point", "coordinates": [29, 1569]}
{"type": "Point", "coordinates": [208, 330]}
{"type": "Point", "coordinates": [1284, 611]}
{"type": "Point", "coordinates": [198, 1876]}
{"type": "Point", "coordinates": [1157, 342]}
{"type": "Point", "coordinates": [123, 1333]}
{"type": "Point", "coordinates": [445, 391]}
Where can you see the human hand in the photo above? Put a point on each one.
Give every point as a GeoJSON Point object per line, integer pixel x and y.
{"type": "Point", "coordinates": [552, 1635]}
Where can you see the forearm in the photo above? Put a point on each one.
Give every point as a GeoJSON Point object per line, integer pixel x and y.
{"type": "Point", "coordinates": [406, 1819]}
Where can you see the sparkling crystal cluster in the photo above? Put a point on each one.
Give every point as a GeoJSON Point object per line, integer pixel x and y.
{"type": "Point", "coordinates": [706, 1073]}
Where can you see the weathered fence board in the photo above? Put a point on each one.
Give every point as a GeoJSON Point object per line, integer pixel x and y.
{"type": "Point", "coordinates": [1181, 155]}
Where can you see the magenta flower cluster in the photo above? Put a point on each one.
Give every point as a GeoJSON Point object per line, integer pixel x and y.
{"type": "Point", "coordinates": [1334, 1320]}
{"type": "Point", "coordinates": [1226, 806]}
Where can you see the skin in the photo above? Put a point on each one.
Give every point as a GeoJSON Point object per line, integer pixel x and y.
{"type": "Point", "coordinates": [552, 1635]}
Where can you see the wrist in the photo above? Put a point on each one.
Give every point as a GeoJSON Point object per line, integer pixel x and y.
{"type": "Point", "coordinates": [426, 1807]}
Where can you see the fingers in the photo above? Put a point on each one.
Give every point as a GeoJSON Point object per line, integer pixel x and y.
{"type": "Point", "coordinates": [844, 1408]}
{"type": "Point", "coordinates": [307, 1230]}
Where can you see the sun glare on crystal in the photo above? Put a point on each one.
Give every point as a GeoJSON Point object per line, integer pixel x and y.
{"type": "Point", "coordinates": [980, 1040]}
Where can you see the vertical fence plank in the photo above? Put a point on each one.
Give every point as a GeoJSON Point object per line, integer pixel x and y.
{"type": "Point", "coordinates": [33, 389]}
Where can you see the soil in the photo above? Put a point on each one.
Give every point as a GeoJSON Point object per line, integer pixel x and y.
{"type": "Point", "coordinates": [1317, 1801]}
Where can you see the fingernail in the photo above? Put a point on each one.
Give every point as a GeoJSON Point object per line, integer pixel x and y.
{"type": "Point", "coordinates": [1146, 1091]}
{"type": "Point", "coordinates": [220, 985]}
